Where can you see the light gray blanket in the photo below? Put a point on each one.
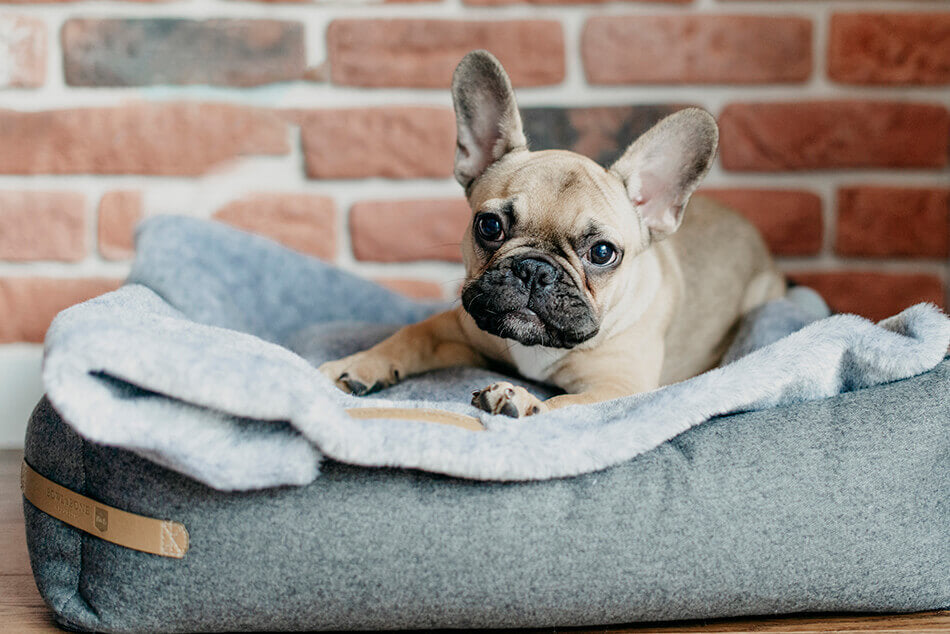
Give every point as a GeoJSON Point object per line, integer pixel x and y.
{"type": "Point", "coordinates": [205, 363]}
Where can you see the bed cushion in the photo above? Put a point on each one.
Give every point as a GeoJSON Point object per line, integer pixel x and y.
{"type": "Point", "coordinates": [833, 505]}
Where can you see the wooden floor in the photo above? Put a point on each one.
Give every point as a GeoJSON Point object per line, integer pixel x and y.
{"type": "Point", "coordinates": [23, 612]}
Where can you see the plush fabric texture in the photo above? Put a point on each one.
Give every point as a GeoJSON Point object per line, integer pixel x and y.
{"type": "Point", "coordinates": [205, 364]}
{"type": "Point", "coordinates": [829, 505]}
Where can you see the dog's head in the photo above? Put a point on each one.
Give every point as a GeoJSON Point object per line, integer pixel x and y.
{"type": "Point", "coordinates": [554, 238]}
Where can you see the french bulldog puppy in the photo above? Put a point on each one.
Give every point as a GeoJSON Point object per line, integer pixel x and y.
{"type": "Point", "coordinates": [602, 282]}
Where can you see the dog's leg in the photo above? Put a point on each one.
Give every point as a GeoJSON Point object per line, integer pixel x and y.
{"type": "Point", "coordinates": [515, 401]}
{"type": "Point", "coordinates": [437, 342]}
{"type": "Point", "coordinates": [592, 380]}
{"type": "Point", "coordinates": [598, 393]}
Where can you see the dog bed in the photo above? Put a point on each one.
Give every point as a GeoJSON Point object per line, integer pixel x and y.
{"type": "Point", "coordinates": [807, 474]}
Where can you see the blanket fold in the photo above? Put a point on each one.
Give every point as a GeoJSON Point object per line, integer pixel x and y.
{"type": "Point", "coordinates": [205, 362]}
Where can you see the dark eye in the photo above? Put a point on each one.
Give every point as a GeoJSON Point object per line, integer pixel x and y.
{"type": "Point", "coordinates": [602, 254]}
{"type": "Point", "coordinates": [489, 227]}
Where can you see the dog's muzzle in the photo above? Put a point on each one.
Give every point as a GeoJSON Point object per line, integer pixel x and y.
{"type": "Point", "coordinates": [532, 300]}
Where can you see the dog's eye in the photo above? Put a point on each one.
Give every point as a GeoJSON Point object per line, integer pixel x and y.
{"type": "Point", "coordinates": [602, 254]}
{"type": "Point", "coordinates": [489, 227]}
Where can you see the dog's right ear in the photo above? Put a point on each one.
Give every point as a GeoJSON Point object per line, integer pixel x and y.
{"type": "Point", "coordinates": [486, 114]}
{"type": "Point", "coordinates": [662, 168]}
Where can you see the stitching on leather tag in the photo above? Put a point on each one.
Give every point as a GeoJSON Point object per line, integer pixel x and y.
{"type": "Point", "coordinates": [174, 539]}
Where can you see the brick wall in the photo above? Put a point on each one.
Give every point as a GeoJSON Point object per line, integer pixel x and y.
{"type": "Point", "coordinates": [328, 127]}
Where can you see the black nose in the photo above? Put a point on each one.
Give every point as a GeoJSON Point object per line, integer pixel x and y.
{"type": "Point", "coordinates": [535, 271]}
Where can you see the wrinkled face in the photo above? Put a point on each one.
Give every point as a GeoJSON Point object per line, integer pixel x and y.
{"type": "Point", "coordinates": [552, 237]}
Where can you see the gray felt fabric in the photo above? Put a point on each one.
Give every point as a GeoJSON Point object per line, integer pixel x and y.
{"type": "Point", "coordinates": [205, 364]}
{"type": "Point", "coordinates": [830, 505]}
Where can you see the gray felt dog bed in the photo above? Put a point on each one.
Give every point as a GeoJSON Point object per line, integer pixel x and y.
{"type": "Point", "coordinates": [810, 473]}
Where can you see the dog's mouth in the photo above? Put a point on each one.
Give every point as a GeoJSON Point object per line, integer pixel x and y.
{"type": "Point", "coordinates": [557, 318]}
{"type": "Point", "coordinates": [525, 316]}
{"type": "Point", "coordinates": [528, 328]}
{"type": "Point", "coordinates": [524, 326]}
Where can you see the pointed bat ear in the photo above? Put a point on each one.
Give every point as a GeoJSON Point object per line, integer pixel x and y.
{"type": "Point", "coordinates": [662, 168]}
{"type": "Point", "coordinates": [486, 114]}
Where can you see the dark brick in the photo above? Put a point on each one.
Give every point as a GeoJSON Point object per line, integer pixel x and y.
{"type": "Point", "coordinates": [599, 133]}
{"type": "Point", "coordinates": [141, 52]}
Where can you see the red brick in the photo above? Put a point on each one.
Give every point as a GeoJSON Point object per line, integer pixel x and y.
{"type": "Point", "coordinates": [493, 3]}
{"type": "Point", "coordinates": [893, 221]}
{"type": "Point", "coordinates": [890, 48]}
{"type": "Point", "coordinates": [416, 289]}
{"type": "Point", "coordinates": [141, 52]}
{"type": "Point", "coordinates": [37, 225]}
{"type": "Point", "coordinates": [28, 304]}
{"type": "Point", "coordinates": [408, 230]}
{"type": "Point", "coordinates": [23, 50]}
{"type": "Point", "coordinates": [42, 2]}
{"type": "Point", "coordinates": [119, 212]}
{"type": "Point", "coordinates": [304, 222]}
{"type": "Point", "coordinates": [173, 139]}
{"type": "Point", "coordinates": [871, 294]}
{"type": "Point", "coordinates": [833, 134]}
{"type": "Point", "coordinates": [696, 49]}
{"type": "Point", "coordinates": [395, 142]}
{"type": "Point", "coordinates": [790, 221]}
{"type": "Point", "coordinates": [424, 53]}
{"type": "Point", "coordinates": [371, 2]}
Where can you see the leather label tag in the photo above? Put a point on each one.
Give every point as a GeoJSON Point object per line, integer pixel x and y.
{"type": "Point", "coordinates": [439, 416]}
{"type": "Point", "coordinates": [149, 535]}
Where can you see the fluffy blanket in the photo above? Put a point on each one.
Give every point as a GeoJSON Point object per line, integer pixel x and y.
{"type": "Point", "coordinates": [205, 362]}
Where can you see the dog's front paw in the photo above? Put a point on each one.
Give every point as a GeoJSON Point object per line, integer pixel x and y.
{"type": "Point", "coordinates": [361, 373]}
{"type": "Point", "coordinates": [510, 400]}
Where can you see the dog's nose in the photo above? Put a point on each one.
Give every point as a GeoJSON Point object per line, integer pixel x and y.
{"type": "Point", "coordinates": [537, 272]}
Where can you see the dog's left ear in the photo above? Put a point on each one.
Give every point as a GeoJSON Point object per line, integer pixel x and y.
{"type": "Point", "coordinates": [662, 168]}
{"type": "Point", "coordinates": [489, 125]}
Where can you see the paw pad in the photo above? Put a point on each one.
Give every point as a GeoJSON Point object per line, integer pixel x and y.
{"type": "Point", "coordinates": [506, 399]}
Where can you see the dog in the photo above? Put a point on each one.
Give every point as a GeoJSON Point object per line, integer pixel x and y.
{"type": "Point", "coordinates": [603, 282]}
